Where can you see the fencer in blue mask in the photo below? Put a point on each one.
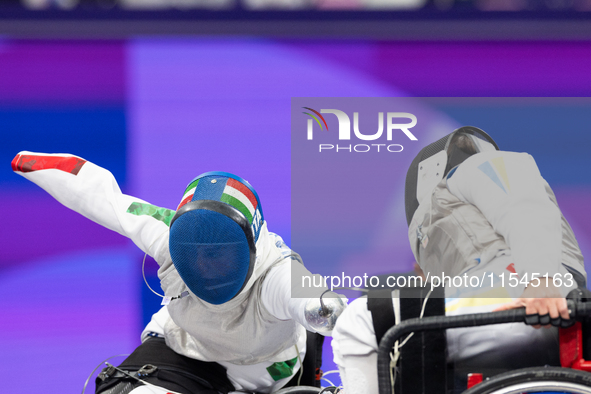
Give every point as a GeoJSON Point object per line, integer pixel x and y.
{"type": "Point", "coordinates": [229, 322]}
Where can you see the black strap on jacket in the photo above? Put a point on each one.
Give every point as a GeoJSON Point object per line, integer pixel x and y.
{"type": "Point", "coordinates": [311, 364]}
{"type": "Point", "coordinates": [422, 367]}
{"type": "Point", "coordinates": [379, 303]}
{"type": "Point", "coordinates": [423, 364]}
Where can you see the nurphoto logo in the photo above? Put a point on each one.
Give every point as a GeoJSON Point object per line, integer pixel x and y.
{"type": "Point", "coordinates": [395, 122]}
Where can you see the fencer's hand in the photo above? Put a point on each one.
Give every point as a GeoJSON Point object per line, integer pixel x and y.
{"type": "Point", "coordinates": [542, 300]}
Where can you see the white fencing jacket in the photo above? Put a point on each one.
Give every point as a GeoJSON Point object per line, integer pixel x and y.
{"type": "Point", "coordinates": [494, 215]}
{"type": "Point", "coordinates": [257, 328]}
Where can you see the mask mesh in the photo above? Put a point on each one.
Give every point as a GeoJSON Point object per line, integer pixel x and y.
{"type": "Point", "coordinates": [410, 186]}
{"type": "Point", "coordinates": [211, 254]}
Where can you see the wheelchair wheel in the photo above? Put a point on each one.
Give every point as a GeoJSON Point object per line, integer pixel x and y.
{"type": "Point", "coordinates": [536, 380]}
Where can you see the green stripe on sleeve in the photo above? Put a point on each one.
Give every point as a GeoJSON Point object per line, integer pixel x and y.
{"type": "Point", "coordinates": [282, 370]}
{"type": "Point", "coordinates": [162, 214]}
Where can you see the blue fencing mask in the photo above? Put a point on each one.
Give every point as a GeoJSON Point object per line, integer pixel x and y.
{"type": "Point", "coordinates": [213, 236]}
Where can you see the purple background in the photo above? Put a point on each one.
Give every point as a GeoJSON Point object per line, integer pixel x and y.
{"type": "Point", "coordinates": [157, 112]}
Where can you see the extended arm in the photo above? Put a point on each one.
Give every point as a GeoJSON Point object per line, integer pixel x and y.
{"type": "Point", "coordinates": [303, 307]}
{"type": "Point", "coordinates": [510, 192]}
{"type": "Point", "coordinates": [93, 192]}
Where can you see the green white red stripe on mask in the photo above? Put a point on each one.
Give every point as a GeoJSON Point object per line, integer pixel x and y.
{"type": "Point", "coordinates": [232, 192]}
{"type": "Point", "coordinates": [189, 192]}
{"type": "Point", "coordinates": [240, 197]}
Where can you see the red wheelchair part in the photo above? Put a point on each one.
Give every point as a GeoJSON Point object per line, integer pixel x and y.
{"type": "Point", "coordinates": [571, 352]}
{"type": "Point", "coordinates": [571, 348]}
{"type": "Point", "coordinates": [474, 379]}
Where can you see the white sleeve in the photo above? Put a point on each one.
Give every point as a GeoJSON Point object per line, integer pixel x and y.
{"type": "Point", "coordinates": [355, 349]}
{"type": "Point", "coordinates": [93, 192]}
{"type": "Point", "coordinates": [281, 297]}
{"type": "Point", "coordinates": [277, 298]}
{"type": "Point", "coordinates": [508, 189]}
